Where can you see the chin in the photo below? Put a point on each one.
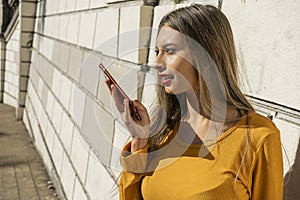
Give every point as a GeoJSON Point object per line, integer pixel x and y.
{"type": "Point", "coordinates": [170, 90]}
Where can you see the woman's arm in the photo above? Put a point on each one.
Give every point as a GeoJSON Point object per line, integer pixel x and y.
{"type": "Point", "coordinates": [134, 165]}
{"type": "Point", "coordinates": [267, 172]}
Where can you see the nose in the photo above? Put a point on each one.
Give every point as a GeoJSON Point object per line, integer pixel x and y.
{"type": "Point", "coordinates": [159, 67]}
{"type": "Point", "coordinates": [159, 63]}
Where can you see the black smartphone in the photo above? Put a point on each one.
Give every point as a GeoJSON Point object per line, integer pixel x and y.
{"type": "Point", "coordinates": [133, 110]}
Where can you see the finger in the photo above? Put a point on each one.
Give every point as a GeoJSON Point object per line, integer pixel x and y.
{"type": "Point", "coordinates": [138, 105]}
{"type": "Point", "coordinates": [117, 98]}
{"type": "Point", "coordinates": [108, 84]}
{"type": "Point", "coordinates": [127, 111]}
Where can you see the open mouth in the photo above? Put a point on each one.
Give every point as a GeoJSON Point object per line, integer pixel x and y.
{"type": "Point", "coordinates": [166, 79]}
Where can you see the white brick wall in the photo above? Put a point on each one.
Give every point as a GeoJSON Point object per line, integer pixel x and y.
{"type": "Point", "coordinates": [70, 5]}
{"type": "Point", "coordinates": [68, 176]}
{"type": "Point", "coordinates": [79, 191]}
{"type": "Point", "coordinates": [66, 132]}
{"type": "Point", "coordinates": [106, 33]}
{"type": "Point", "coordinates": [82, 4]}
{"type": "Point", "coordinates": [80, 154]}
{"type": "Point", "coordinates": [272, 46]}
{"type": "Point", "coordinates": [67, 96]}
{"type": "Point", "coordinates": [87, 29]}
{"type": "Point", "coordinates": [97, 177]}
{"type": "Point", "coordinates": [132, 39]}
{"type": "Point", "coordinates": [11, 73]}
{"type": "Point", "coordinates": [73, 28]}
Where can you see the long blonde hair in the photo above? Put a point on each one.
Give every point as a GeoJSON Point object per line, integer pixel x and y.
{"type": "Point", "coordinates": [210, 39]}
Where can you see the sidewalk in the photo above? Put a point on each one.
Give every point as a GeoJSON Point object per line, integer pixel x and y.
{"type": "Point", "coordinates": [22, 174]}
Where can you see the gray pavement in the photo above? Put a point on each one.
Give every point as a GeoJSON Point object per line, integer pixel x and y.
{"type": "Point", "coordinates": [22, 173]}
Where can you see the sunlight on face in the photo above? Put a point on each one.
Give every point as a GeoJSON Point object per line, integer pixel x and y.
{"type": "Point", "coordinates": [175, 73]}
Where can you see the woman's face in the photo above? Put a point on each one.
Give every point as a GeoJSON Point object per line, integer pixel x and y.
{"type": "Point", "coordinates": [175, 72]}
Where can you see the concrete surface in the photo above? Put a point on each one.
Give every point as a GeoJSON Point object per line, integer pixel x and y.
{"type": "Point", "coordinates": [22, 173]}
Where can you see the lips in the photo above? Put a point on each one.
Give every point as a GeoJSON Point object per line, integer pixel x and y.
{"type": "Point", "coordinates": [166, 79]}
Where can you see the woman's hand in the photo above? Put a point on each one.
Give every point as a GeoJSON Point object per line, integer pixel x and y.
{"type": "Point", "coordinates": [139, 129]}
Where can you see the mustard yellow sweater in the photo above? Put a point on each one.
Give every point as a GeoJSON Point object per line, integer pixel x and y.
{"type": "Point", "coordinates": [232, 167]}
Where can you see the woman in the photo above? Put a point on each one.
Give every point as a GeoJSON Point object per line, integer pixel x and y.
{"type": "Point", "coordinates": [212, 144]}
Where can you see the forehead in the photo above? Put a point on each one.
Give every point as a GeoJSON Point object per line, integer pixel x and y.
{"type": "Point", "coordinates": [168, 35]}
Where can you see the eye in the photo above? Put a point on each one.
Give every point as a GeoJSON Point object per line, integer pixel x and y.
{"type": "Point", "coordinates": [170, 50]}
{"type": "Point", "coordinates": [156, 51]}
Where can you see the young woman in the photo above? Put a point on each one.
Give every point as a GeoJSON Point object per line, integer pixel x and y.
{"type": "Point", "coordinates": [211, 145]}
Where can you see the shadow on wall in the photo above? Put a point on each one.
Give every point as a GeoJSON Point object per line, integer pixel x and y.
{"type": "Point", "coordinates": [292, 179]}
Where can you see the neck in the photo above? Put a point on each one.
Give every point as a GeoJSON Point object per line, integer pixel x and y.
{"type": "Point", "coordinates": [202, 124]}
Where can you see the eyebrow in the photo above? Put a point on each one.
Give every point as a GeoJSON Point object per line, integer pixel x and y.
{"type": "Point", "coordinates": [167, 44]}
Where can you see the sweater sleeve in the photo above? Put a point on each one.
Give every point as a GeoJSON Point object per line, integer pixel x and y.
{"type": "Point", "coordinates": [267, 176]}
{"type": "Point", "coordinates": [134, 166]}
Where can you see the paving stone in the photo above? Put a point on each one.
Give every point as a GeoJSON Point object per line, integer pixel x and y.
{"type": "Point", "coordinates": [22, 172]}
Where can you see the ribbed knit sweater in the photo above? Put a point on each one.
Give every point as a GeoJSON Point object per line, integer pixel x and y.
{"type": "Point", "coordinates": [234, 166]}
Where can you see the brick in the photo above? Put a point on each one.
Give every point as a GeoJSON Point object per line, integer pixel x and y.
{"type": "Point", "coordinates": [77, 102]}
{"type": "Point", "coordinates": [36, 41]}
{"type": "Point", "coordinates": [89, 74]}
{"type": "Point", "coordinates": [7, 99]}
{"type": "Point", "coordinates": [78, 191]}
{"type": "Point", "coordinates": [23, 83]}
{"type": "Point", "coordinates": [70, 5]}
{"type": "Point", "coordinates": [49, 137]}
{"type": "Point", "coordinates": [80, 154]}
{"type": "Point", "coordinates": [67, 177]}
{"type": "Point", "coordinates": [65, 91]}
{"type": "Point", "coordinates": [121, 137]}
{"type": "Point", "coordinates": [44, 97]}
{"type": "Point", "coordinates": [25, 54]}
{"type": "Point", "coordinates": [98, 129]}
{"type": "Point", "coordinates": [48, 74]}
{"type": "Point", "coordinates": [63, 27]}
{"type": "Point", "coordinates": [97, 3]}
{"type": "Point", "coordinates": [49, 106]}
{"type": "Point", "coordinates": [98, 177]}
{"type": "Point", "coordinates": [46, 47]}
{"type": "Point", "coordinates": [106, 34]}
{"type": "Point", "coordinates": [57, 115]}
{"type": "Point", "coordinates": [43, 121]}
{"type": "Point", "coordinates": [26, 39]}
{"type": "Point", "coordinates": [61, 6]}
{"type": "Point", "coordinates": [55, 24]}
{"type": "Point", "coordinates": [76, 58]}
{"type": "Point", "coordinates": [56, 52]}
{"type": "Point", "coordinates": [28, 8]}
{"type": "Point", "coordinates": [73, 29]}
{"type": "Point", "coordinates": [133, 39]}
{"type": "Point", "coordinates": [56, 82]}
{"type": "Point", "coordinates": [27, 24]}
{"type": "Point", "coordinates": [87, 29]}
{"type": "Point", "coordinates": [57, 155]}
{"type": "Point", "coordinates": [50, 27]}
{"type": "Point", "coordinates": [24, 69]}
{"type": "Point", "coordinates": [64, 57]}
{"type": "Point", "coordinates": [21, 98]}
{"type": "Point", "coordinates": [82, 4]}
{"type": "Point", "coordinates": [149, 94]}
{"type": "Point", "coordinates": [66, 132]}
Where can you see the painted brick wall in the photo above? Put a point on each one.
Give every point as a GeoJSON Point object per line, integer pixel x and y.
{"type": "Point", "coordinates": [11, 74]}
{"type": "Point", "coordinates": [68, 108]}
{"type": "Point", "coordinates": [69, 112]}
